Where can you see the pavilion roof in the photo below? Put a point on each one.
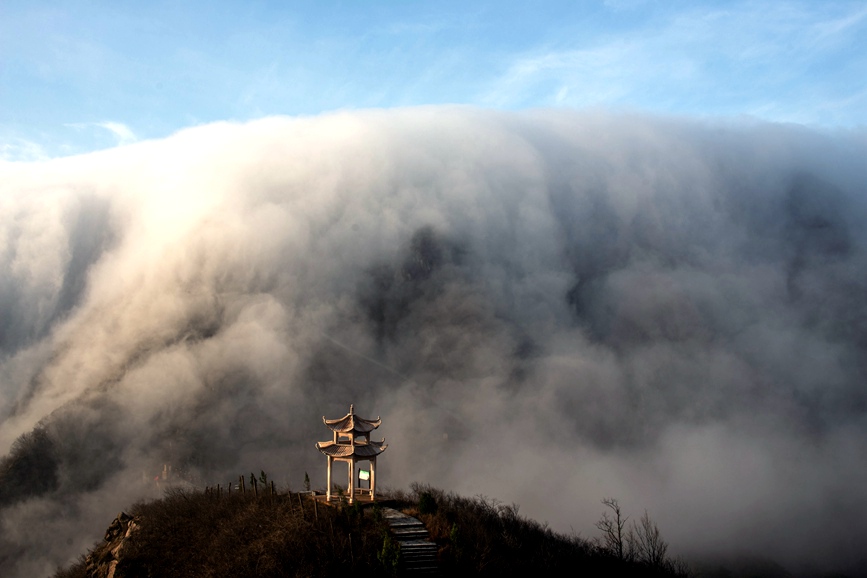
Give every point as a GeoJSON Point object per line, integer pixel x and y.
{"type": "Point", "coordinates": [359, 450]}
{"type": "Point", "coordinates": [351, 423]}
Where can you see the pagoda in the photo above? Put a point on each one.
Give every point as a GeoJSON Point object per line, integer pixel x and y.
{"type": "Point", "coordinates": [351, 444]}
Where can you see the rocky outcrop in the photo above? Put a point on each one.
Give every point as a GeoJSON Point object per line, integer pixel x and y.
{"type": "Point", "coordinates": [102, 562]}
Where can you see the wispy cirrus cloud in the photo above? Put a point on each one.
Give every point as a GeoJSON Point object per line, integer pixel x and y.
{"type": "Point", "coordinates": [18, 149]}
{"type": "Point", "coordinates": [837, 26]}
{"type": "Point", "coordinates": [122, 134]}
{"type": "Point", "coordinates": [788, 59]}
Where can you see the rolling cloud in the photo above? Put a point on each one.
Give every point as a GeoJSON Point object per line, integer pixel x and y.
{"type": "Point", "coordinates": [546, 307]}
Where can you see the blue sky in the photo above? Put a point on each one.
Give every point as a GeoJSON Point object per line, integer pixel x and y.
{"type": "Point", "coordinates": [81, 76]}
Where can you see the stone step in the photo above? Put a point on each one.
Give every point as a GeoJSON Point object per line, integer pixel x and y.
{"type": "Point", "coordinates": [399, 520]}
{"type": "Point", "coordinates": [402, 520]}
{"type": "Point", "coordinates": [418, 550]}
{"type": "Point", "coordinates": [392, 514]}
{"type": "Point", "coordinates": [410, 534]}
{"type": "Point", "coordinates": [419, 542]}
{"type": "Point", "coordinates": [418, 555]}
{"type": "Point", "coordinates": [408, 528]}
{"type": "Point", "coordinates": [419, 559]}
{"type": "Point", "coordinates": [431, 571]}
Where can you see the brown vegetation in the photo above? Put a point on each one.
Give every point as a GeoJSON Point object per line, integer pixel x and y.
{"type": "Point", "coordinates": [195, 533]}
{"type": "Point", "coordinates": [211, 533]}
{"type": "Point", "coordinates": [483, 537]}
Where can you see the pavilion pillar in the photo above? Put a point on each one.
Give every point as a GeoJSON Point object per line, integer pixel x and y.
{"type": "Point", "coordinates": [372, 479]}
{"type": "Point", "coordinates": [328, 492]}
{"type": "Point", "coordinates": [351, 480]}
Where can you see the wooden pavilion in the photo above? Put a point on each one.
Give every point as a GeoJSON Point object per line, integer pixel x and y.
{"type": "Point", "coordinates": [356, 447]}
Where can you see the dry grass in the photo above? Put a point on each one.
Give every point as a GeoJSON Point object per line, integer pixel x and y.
{"type": "Point", "coordinates": [194, 533]}
{"type": "Point", "coordinates": [483, 537]}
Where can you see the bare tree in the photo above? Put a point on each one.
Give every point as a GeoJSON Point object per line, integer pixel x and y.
{"type": "Point", "coordinates": [613, 536]}
{"type": "Point", "coordinates": [639, 542]}
{"type": "Point", "coordinates": [645, 543]}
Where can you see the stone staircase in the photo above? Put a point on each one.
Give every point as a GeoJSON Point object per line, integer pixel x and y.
{"type": "Point", "coordinates": [418, 555]}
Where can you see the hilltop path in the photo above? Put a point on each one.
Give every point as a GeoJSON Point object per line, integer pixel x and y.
{"type": "Point", "coordinates": [418, 555]}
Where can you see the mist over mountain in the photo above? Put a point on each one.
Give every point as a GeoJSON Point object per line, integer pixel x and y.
{"type": "Point", "coordinates": [549, 307]}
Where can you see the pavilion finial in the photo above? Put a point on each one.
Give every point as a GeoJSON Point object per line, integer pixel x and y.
{"type": "Point", "coordinates": [351, 409]}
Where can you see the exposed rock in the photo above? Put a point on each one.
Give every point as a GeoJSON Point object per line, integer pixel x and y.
{"type": "Point", "coordinates": [103, 561]}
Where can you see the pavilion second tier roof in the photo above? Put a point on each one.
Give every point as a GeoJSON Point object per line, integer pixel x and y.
{"type": "Point", "coordinates": [351, 423]}
{"type": "Point", "coordinates": [362, 450]}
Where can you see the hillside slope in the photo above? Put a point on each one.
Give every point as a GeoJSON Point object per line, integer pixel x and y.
{"type": "Point", "coordinates": [195, 533]}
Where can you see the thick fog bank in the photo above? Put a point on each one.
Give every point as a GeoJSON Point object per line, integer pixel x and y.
{"type": "Point", "coordinates": [547, 308]}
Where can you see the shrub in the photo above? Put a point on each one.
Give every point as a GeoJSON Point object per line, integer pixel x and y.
{"type": "Point", "coordinates": [30, 469]}
{"type": "Point", "coordinates": [427, 504]}
{"type": "Point", "coordinates": [389, 554]}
